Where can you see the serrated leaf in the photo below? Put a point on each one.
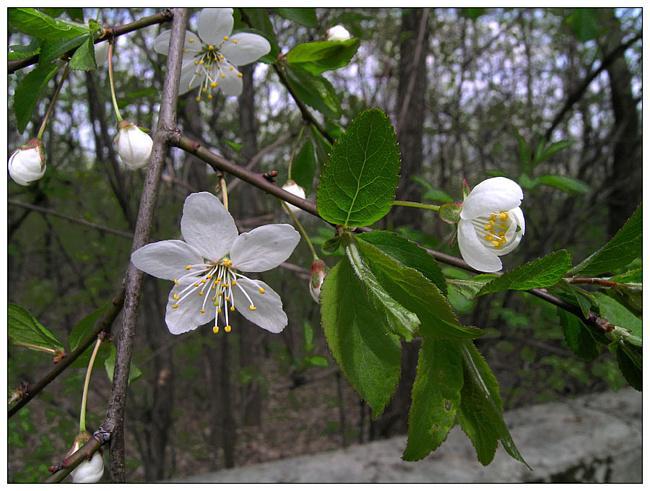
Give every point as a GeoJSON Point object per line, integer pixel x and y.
{"type": "Point", "coordinates": [321, 56]}
{"type": "Point", "coordinates": [578, 336]}
{"type": "Point", "coordinates": [357, 336]}
{"type": "Point", "coordinates": [623, 248]}
{"type": "Point", "coordinates": [314, 90]}
{"type": "Point", "coordinates": [408, 253]}
{"type": "Point", "coordinates": [20, 52]}
{"type": "Point", "coordinates": [29, 90]}
{"type": "Point", "coordinates": [618, 315]}
{"type": "Point", "coordinates": [631, 365]}
{"type": "Point", "coordinates": [357, 185]}
{"type": "Point", "coordinates": [304, 166]}
{"type": "Point", "coordinates": [25, 330]}
{"type": "Point", "coordinates": [40, 25]}
{"type": "Point", "coordinates": [84, 57]}
{"type": "Point", "coordinates": [305, 16]}
{"type": "Point", "coordinates": [109, 364]}
{"type": "Point", "coordinates": [470, 288]}
{"type": "Point", "coordinates": [541, 273]}
{"type": "Point", "coordinates": [481, 411]}
{"type": "Point", "coordinates": [564, 183]}
{"type": "Point", "coordinates": [435, 397]}
{"type": "Point", "coordinates": [51, 50]}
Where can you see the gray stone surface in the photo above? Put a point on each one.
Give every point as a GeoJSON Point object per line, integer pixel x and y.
{"type": "Point", "coordinates": [594, 438]}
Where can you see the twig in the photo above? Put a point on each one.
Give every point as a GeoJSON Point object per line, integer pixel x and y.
{"type": "Point", "coordinates": [592, 281]}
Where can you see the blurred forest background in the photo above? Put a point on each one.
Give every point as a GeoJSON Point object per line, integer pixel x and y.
{"type": "Point", "coordinates": [472, 93]}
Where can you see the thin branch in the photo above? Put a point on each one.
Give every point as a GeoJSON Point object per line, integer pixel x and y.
{"type": "Point", "coordinates": [577, 280]}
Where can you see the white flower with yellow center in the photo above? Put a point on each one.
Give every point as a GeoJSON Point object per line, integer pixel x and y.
{"type": "Point", "coordinates": [210, 59]}
{"type": "Point", "coordinates": [205, 268]}
{"type": "Point", "coordinates": [491, 223]}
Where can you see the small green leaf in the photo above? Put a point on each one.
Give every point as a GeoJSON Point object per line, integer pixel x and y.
{"type": "Point", "coordinates": [40, 25]}
{"type": "Point", "coordinates": [317, 361]}
{"type": "Point", "coordinates": [618, 315]}
{"type": "Point", "coordinates": [622, 249]}
{"type": "Point", "coordinates": [304, 166]}
{"type": "Point", "coordinates": [50, 50]}
{"type": "Point", "coordinates": [584, 23]}
{"type": "Point", "coordinates": [564, 183]}
{"type": "Point", "coordinates": [305, 16]}
{"type": "Point", "coordinates": [631, 365]}
{"type": "Point", "coordinates": [525, 152]}
{"type": "Point", "coordinates": [541, 273]}
{"type": "Point", "coordinates": [29, 91]}
{"type": "Point", "coordinates": [332, 247]}
{"type": "Point", "coordinates": [314, 90]}
{"type": "Point", "coordinates": [357, 185]}
{"type": "Point", "coordinates": [25, 330]}
{"type": "Point", "coordinates": [19, 52]}
{"type": "Point", "coordinates": [109, 363]}
{"type": "Point", "coordinates": [82, 330]}
{"type": "Point", "coordinates": [545, 153]}
{"type": "Point", "coordinates": [473, 13]}
{"type": "Point", "coordinates": [308, 333]}
{"type": "Point", "coordinates": [435, 397]}
{"type": "Point", "coordinates": [357, 336]}
{"type": "Point", "coordinates": [84, 57]}
{"type": "Point", "coordinates": [321, 56]}
{"type": "Point", "coordinates": [577, 336]}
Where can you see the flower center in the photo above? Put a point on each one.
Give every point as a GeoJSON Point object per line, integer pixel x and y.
{"type": "Point", "coordinates": [212, 66]}
{"type": "Point", "coordinates": [216, 281]}
{"type": "Point", "coordinates": [495, 230]}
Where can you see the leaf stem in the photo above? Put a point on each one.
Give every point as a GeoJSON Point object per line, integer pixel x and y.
{"type": "Point", "coordinates": [415, 204]}
{"type": "Point", "coordinates": [84, 397]}
{"type": "Point", "coordinates": [118, 115]}
{"type": "Point", "coordinates": [302, 230]}
{"type": "Point", "coordinates": [50, 108]}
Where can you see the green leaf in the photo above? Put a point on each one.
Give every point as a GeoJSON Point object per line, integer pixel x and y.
{"type": "Point", "coordinates": [109, 364]}
{"type": "Point", "coordinates": [471, 287]}
{"type": "Point", "coordinates": [437, 195]}
{"type": "Point", "coordinates": [258, 19]}
{"type": "Point", "coordinates": [19, 52]}
{"type": "Point", "coordinates": [481, 410]}
{"type": "Point", "coordinates": [40, 25]}
{"type": "Point", "coordinates": [84, 57]}
{"type": "Point", "coordinates": [622, 249]}
{"type": "Point", "coordinates": [435, 397]}
{"type": "Point", "coordinates": [317, 361]}
{"type": "Point", "coordinates": [357, 336]}
{"type": "Point", "coordinates": [578, 336]}
{"type": "Point", "coordinates": [631, 365]}
{"type": "Point", "coordinates": [308, 333]}
{"type": "Point", "coordinates": [50, 51]}
{"type": "Point", "coordinates": [541, 273]}
{"type": "Point", "coordinates": [83, 329]}
{"type": "Point", "coordinates": [473, 13]}
{"type": "Point", "coordinates": [304, 166]}
{"type": "Point", "coordinates": [357, 185]}
{"type": "Point", "coordinates": [525, 152]}
{"type": "Point", "coordinates": [25, 330]}
{"type": "Point", "coordinates": [305, 16]}
{"type": "Point", "coordinates": [314, 90]}
{"type": "Point", "coordinates": [29, 91]}
{"type": "Point", "coordinates": [76, 14]}
{"type": "Point", "coordinates": [409, 254]}
{"type": "Point", "coordinates": [618, 315]}
{"type": "Point", "coordinates": [416, 293]}
{"type": "Point", "coordinates": [545, 153]}
{"type": "Point", "coordinates": [584, 23]}
{"type": "Point", "coordinates": [321, 56]}
{"type": "Point", "coordinates": [564, 183]}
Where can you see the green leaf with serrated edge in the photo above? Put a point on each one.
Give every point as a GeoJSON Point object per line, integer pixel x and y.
{"type": "Point", "coordinates": [84, 57]}
{"type": "Point", "coordinates": [357, 185]}
{"type": "Point", "coordinates": [400, 320]}
{"type": "Point", "coordinates": [332, 247]}
{"type": "Point", "coordinates": [564, 183]}
{"type": "Point", "coordinates": [305, 16]}
{"type": "Point", "coordinates": [20, 52]}
{"type": "Point", "coordinates": [358, 338]}
{"type": "Point", "coordinates": [109, 364]}
{"type": "Point", "coordinates": [50, 51]}
{"type": "Point", "coordinates": [40, 25]}
{"type": "Point", "coordinates": [470, 288]}
{"type": "Point", "coordinates": [29, 91]}
{"type": "Point", "coordinates": [416, 293]}
{"type": "Point", "coordinates": [578, 336]}
{"type": "Point", "coordinates": [314, 90]}
{"type": "Point", "coordinates": [481, 411]}
{"type": "Point", "coordinates": [623, 248]}
{"type": "Point", "coordinates": [321, 56]}
{"type": "Point", "coordinates": [408, 253]}
{"type": "Point", "coordinates": [435, 396]}
{"type": "Point", "coordinates": [304, 166]}
{"type": "Point", "coordinates": [618, 315]}
{"type": "Point", "coordinates": [25, 330]}
{"type": "Point", "coordinates": [630, 364]}
{"type": "Point", "coordinates": [540, 273]}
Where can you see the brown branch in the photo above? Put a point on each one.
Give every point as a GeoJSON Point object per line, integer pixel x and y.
{"type": "Point", "coordinates": [107, 33]}
{"type": "Point", "coordinates": [61, 471]}
{"type": "Point", "coordinates": [577, 280]}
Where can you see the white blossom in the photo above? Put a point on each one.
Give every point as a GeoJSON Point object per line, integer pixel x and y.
{"type": "Point", "coordinates": [491, 223]}
{"type": "Point", "coordinates": [338, 33]}
{"type": "Point", "coordinates": [101, 53]}
{"type": "Point", "coordinates": [318, 273]}
{"type": "Point", "coordinates": [133, 145]}
{"type": "Point", "coordinates": [89, 471]}
{"type": "Point", "coordinates": [206, 268]}
{"type": "Point", "coordinates": [292, 187]}
{"type": "Point", "coordinates": [210, 59]}
{"type": "Point", "coordinates": [27, 164]}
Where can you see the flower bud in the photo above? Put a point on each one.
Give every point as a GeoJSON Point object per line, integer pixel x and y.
{"type": "Point", "coordinates": [450, 212]}
{"type": "Point", "coordinates": [133, 145]}
{"type": "Point", "coordinates": [27, 164]}
{"type": "Point", "coordinates": [292, 187]}
{"type": "Point", "coordinates": [338, 33]}
{"type": "Point", "coordinates": [89, 471]}
{"type": "Point", "coordinates": [318, 273]}
{"type": "Point", "coordinates": [101, 53]}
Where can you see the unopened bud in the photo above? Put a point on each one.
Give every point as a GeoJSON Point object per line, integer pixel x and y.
{"type": "Point", "coordinates": [133, 145]}
{"type": "Point", "coordinates": [292, 187]}
{"type": "Point", "coordinates": [89, 471]}
{"type": "Point", "coordinates": [338, 33]}
{"type": "Point", "coordinates": [27, 164]}
{"type": "Point", "coordinates": [101, 53]}
{"type": "Point", "coordinates": [318, 273]}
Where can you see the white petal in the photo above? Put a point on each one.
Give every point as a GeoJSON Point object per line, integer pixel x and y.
{"type": "Point", "coordinates": [89, 471]}
{"type": "Point", "coordinates": [264, 248]}
{"type": "Point", "coordinates": [214, 24]}
{"type": "Point", "coordinates": [101, 53]}
{"type": "Point", "coordinates": [207, 226]}
{"type": "Point", "coordinates": [519, 218]}
{"type": "Point", "coordinates": [474, 253]}
{"type": "Point", "coordinates": [165, 259]}
{"type": "Point", "coordinates": [190, 48]}
{"type": "Point", "coordinates": [244, 48]}
{"type": "Point", "coordinates": [492, 195]}
{"type": "Point", "coordinates": [191, 77]}
{"type": "Point", "coordinates": [229, 80]}
{"type": "Point", "coordinates": [268, 313]}
{"type": "Point", "coordinates": [187, 316]}
{"type": "Point", "coordinates": [293, 188]}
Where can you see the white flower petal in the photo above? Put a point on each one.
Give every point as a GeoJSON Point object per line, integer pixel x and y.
{"type": "Point", "coordinates": [519, 218]}
{"type": "Point", "coordinates": [264, 248]}
{"type": "Point", "coordinates": [187, 316]}
{"type": "Point", "coordinates": [229, 80]}
{"type": "Point", "coordinates": [101, 53]}
{"type": "Point", "coordinates": [191, 77]}
{"type": "Point", "coordinates": [293, 188]}
{"type": "Point", "coordinates": [165, 259]}
{"type": "Point", "coordinates": [474, 253]}
{"type": "Point", "coordinates": [268, 313]}
{"type": "Point", "coordinates": [207, 226]}
{"type": "Point", "coordinates": [191, 47]}
{"type": "Point", "coordinates": [244, 48]}
{"type": "Point", "coordinates": [89, 471]}
{"type": "Point", "coordinates": [214, 24]}
{"type": "Point", "coordinates": [492, 195]}
{"type": "Point", "coordinates": [510, 246]}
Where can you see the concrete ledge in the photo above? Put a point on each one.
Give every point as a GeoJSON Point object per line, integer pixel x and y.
{"type": "Point", "coordinates": [594, 438]}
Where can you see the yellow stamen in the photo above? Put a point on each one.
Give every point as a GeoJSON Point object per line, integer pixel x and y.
{"type": "Point", "coordinates": [233, 282]}
{"type": "Point", "coordinates": [239, 75]}
{"type": "Point", "coordinates": [227, 262]}
{"type": "Point", "coordinates": [188, 267]}
{"type": "Point", "coordinates": [495, 243]}
{"type": "Point", "coordinates": [210, 47]}
{"type": "Point", "coordinates": [202, 311]}
{"type": "Point", "coordinates": [252, 307]}
{"type": "Point", "coordinates": [215, 329]}
{"type": "Point", "coordinates": [225, 38]}
{"type": "Point", "coordinates": [214, 84]}
{"type": "Point", "coordinates": [503, 216]}
{"type": "Point", "coordinates": [489, 226]}
{"type": "Point", "coordinates": [201, 294]}
{"type": "Point", "coordinates": [197, 98]}
{"type": "Point", "coordinates": [227, 328]}
{"type": "Point", "coordinates": [175, 306]}
{"type": "Point", "coordinates": [176, 296]}
{"type": "Point", "coordinates": [232, 308]}
{"type": "Point", "coordinates": [261, 290]}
